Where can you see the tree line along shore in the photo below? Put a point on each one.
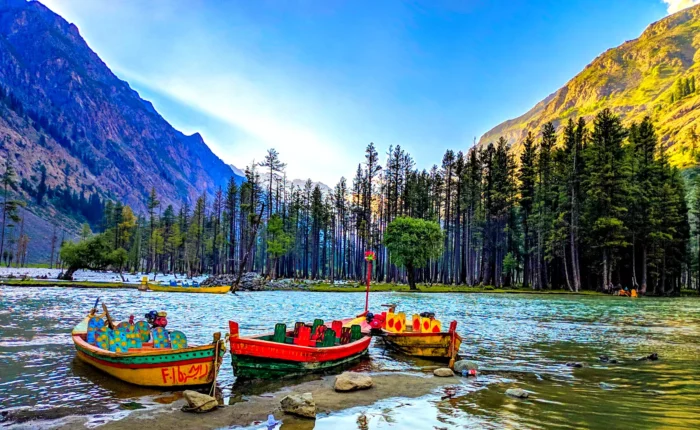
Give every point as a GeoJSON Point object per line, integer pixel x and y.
{"type": "Point", "coordinates": [591, 206]}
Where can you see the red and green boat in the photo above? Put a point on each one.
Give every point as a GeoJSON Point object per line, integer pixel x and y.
{"type": "Point", "coordinates": [308, 348]}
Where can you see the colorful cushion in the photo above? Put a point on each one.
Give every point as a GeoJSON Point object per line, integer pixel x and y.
{"type": "Point", "coordinates": [143, 329]}
{"type": "Point", "coordinates": [178, 340]}
{"type": "Point", "coordinates": [161, 339]}
{"type": "Point", "coordinates": [130, 328]}
{"type": "Point", "coordinates": [94, 326]}
{"type": "Point", "coordinates": [133, 340]}
{"type": "Point", "coordinates": [104, 334]}
{"type": "Point", "coordinates": [118, 340]}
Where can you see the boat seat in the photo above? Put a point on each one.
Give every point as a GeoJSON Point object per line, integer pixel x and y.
{"type": "Point", "coordinates": [161, 338]}
{"type": "Point", "coordinates": [345, 335]}
{"type": "Point", "coordinates": [130, 328]}
{"type": "Point", "coordinates": [337, 326]}
{"type": "Point", "coordinates": [94, 325]}
{"type": "Point", "coordinates": [328, 338]}
{"type": "Point", "coordinates": [178, 340]}
{"type": "Point", "coordinates": [317, 322]}
{"type": "Point", "coordinates": [435, 326]}
{"type": "Point", "coordinates": [134, 341]}
{"type": "Point", "coordinates": [355, 333]}
{"type": "Point", "coordinates": [118, 341]}
{"type": "Point", "coordinates": [304, 337]}
{"type": "Point", "coordinates": [318, 334]}
{"type": "Point", "coordinates": [416, 323]}
{"type": "Point", "coordinates": [195, 284]}
{"type": "Point", "coordinates": [297, 325]}
{"type": "Point", "coordinates": [103, 337]}
{"type": "Point", "coordinates": [280, 334]}
{"type": "Point", "coordinates": [144, 330]}
{"type": "Point", "coordinates": [173, 283]}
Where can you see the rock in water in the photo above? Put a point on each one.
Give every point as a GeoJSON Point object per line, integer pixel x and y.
{"type": "Point", "coordinates": [351, 381]}
{"type": "Point", "coordinates": [443, 372]}
{"type": "Point", "coordinates": [517, 392]}
{"type": "Point", "coordinates": [301, 405]}
{"type": "Point", "coordinates": [575, 364]}
{"type": "Point", "coordinates": [465, 365]}
{"type": "Point", "coordinates": [198, 402]}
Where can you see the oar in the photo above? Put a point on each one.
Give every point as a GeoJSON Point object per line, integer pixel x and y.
{"type": "Point", "coordinates": [94, 308]}
{"type": "Point", "coordinates": [109, 319]}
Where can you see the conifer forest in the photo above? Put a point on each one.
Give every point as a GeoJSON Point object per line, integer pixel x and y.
{"type": "Point", "coordinates": [584, 206]}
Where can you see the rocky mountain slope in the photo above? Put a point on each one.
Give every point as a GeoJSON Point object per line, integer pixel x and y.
{"type": "Point", "coordinates": [653, 75]}
{"type": "Point", "coordinates": [66, 111]}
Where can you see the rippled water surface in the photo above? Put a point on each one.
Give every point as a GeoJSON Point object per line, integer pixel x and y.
{"type": "Point", "coordinates": [519, 340]}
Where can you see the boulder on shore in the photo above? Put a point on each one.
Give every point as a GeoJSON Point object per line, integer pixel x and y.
{"type": "Point", "coordinates": [250, 281]}
{"type": "Point", "coordinates": [467, 365]}
{"type": "Point", "coordinates": [352, 381]}
{"type": "Point", "coordinates": [517, 392]}
{"type": "Point", "coordinates": [443, 372]}
{"type": "Point", "coordinates": [302, 405]}
{"type": "Point", "coordinates": [198, 402]}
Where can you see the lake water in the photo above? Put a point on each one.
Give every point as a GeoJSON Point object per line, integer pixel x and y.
{"type": "Point", "coordinates": [519, 341]}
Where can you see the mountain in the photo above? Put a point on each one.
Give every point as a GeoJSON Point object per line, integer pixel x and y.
{"type": "Point", "coordinates": [65, 115]}
{"type": "Point", "coordinates": [66, 111]}
{"type": "Point", "coordinates": [301, 183]}
{"type": "Point", "coordinates": [237, 171]}
{"type": "Point", "coordinates": [651, 75]}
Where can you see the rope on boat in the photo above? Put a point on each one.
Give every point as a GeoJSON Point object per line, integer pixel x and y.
{"type": "Point", "coordinates": [217, 348]}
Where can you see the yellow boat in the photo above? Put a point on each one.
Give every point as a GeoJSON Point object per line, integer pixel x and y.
{"type": "Point", "coordinates": [422, 338]}
{"type": "Point", "coordinates": [434, 346]}
{"type": "Point", "coordinates": [148, 364]}
{"type": "Point", "coordinates": [221, 289]}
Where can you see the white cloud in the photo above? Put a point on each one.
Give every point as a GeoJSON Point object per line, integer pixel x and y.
{"type": "Point", "coordinates": [676, 5]}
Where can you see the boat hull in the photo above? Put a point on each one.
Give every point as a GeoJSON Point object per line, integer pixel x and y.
{"type": "Point", "coordinates": [163, 368]}
{"type": "Point", "coordinates": [432, 346]}
{"type": "Point", "coordinates": [256, 358]}
{"type": "Point", "coordinates": [222, 289]}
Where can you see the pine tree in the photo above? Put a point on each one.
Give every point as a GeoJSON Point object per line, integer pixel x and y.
{"type": "Point", "coordinates": [605, 182]}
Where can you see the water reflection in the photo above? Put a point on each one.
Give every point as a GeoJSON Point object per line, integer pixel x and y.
{"type": "Point", "coordinates": [522, 341]}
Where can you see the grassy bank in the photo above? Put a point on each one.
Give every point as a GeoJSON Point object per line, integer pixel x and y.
{"type": "Point", "coordinates": [64, 284]}
{"type": "Point", "coordinates": [437, 288]}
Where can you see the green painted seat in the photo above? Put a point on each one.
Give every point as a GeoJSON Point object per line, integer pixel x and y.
{"type": "Point", "coordinates": [317, 322]}
{"type": "Point", "coordinates": [355, 333]}
{"type": "Point", "coordinates": [280, 335]}
{"type": "Point", "coordinates": [328, 338]}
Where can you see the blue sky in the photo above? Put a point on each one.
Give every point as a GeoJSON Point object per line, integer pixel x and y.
{"type": "Point", "coordinates": [318, 80]}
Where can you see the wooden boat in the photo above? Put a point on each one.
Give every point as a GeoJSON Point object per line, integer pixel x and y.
{"type": "Point", "coordinates": [295, 352]}
{"type": "Point", "coordinates": [221, 289]}
{"type": "Point", "coordinates": [150, 365]}
{"type": "Point", "coordinates": [423, 338]}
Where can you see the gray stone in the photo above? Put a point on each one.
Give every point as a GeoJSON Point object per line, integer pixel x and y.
{"type": "Point", "coordinates": [465, 365]}
{"type": "Point", "coordinates": [443, 372]}
{"type": "Point", "coordinates": [517, 392]}
{"type": "Point", "coordinates": [198, 402]}
{"type": "Point", "coordinates": [352, 381]}
{"type": "Point", "coordinates": [302, 405]}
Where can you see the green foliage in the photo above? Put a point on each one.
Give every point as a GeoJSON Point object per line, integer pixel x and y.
{"type": "Point", "coordinates": [413, 242]}
{"type": "Point", "coordinates": [279, 242]}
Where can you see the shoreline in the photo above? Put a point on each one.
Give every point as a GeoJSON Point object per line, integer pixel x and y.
{"type": "Point", "coordinates": [255, 407]}
{"type": "Point", "coordinates": [322, 288]}
{"type": "Point", "coordinates": [327, 288]}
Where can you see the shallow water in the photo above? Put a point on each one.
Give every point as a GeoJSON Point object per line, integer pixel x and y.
{"type": "Point", "coordinates": [519, 340]}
